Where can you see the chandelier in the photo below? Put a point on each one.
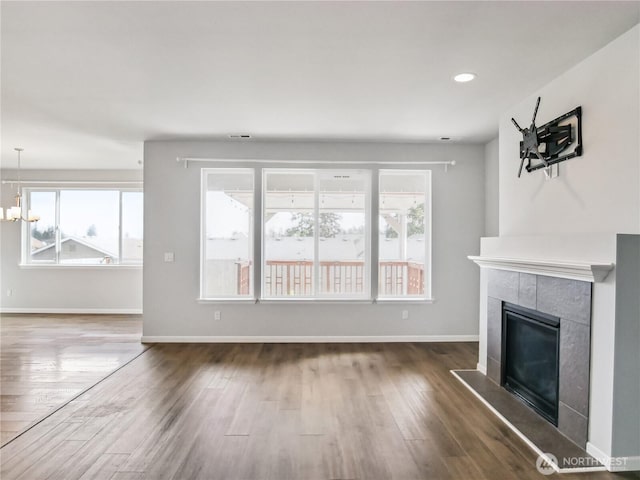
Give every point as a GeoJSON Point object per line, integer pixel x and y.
{"type": "Point", "coordinates": [14, 213]}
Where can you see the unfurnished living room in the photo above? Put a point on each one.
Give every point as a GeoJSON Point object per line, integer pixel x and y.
{"type": "Point", "coordinates": [372, 240]}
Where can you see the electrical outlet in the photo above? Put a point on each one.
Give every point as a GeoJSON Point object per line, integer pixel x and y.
{"type": "Point", "coordinates": [217, 315]}
{"type": "Point", "coordinates": [405, 314]}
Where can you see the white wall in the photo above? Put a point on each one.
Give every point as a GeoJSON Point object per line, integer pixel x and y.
{"type": "Point", "coordinates": [172, 224]}
{"type": "Point", "coordinates": [491, 188]}
{"type": "Point", "coordinates": [576, 217]}
{"type": "Point", "coordinates": [599, 191]}
{"type": "Point", "coordinates": [64, 289]}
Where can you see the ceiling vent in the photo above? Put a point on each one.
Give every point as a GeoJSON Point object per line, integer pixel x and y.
{"type": "Point", "coordinates": [240, 136]}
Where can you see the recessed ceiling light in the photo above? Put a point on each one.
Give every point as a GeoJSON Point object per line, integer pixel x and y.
{"type": "Point", "coordinates": [464, 77]}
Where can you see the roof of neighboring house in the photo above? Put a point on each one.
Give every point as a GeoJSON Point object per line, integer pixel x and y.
{"type": "Point", "coordinates": [81, 241]}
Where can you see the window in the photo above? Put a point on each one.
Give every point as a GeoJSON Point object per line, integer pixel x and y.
{"type": "Point", "coordinates": [41, 246]}
{"type": "Point", "coordinates": [227, 243]}
{"type": "Point", "coordinates": [343, 227]}
{"type": "Point", "coordinates": [404, 234]}
{"type": "Point", "coordinates": [289, 226]}
{"type": "Point", "coordinates": [131, 227]}
{"type": "Point", "coordinates": [84, 227]}
{"type": "Point", "coordinates": [315, 234]}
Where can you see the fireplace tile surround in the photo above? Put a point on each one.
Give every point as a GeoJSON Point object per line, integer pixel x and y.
{"type": "Point", "coordinates": [570, 300]}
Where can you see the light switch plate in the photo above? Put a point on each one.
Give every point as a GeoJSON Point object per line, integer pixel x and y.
{"type": "Point", "coordinates": [168, 257]}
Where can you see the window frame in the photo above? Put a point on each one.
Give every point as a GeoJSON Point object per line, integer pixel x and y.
{"type": "Point", "coordinates": [25, 255]}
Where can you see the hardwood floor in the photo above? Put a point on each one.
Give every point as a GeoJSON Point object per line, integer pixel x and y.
{"type": "Point", "coordinates": [279, 411]}
{"type": "Point", "coordinates": [47, 360]}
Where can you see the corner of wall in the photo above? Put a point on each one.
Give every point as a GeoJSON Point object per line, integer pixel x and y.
{"type": "Point", "coordinates": [491, 186]}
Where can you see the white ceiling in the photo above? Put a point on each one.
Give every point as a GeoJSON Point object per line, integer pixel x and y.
{"type": "Point", "coordinates": [85, 83]}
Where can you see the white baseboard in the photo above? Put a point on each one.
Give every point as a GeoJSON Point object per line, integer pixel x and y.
{"type": "Point", "coordinates": [481, 368]}
{"type": "Point", "coordinates": [86, 311]}
{"type": "Point", "coordinates": [614, 464]}
{"type": "Point", "coordinates": [308, 339]}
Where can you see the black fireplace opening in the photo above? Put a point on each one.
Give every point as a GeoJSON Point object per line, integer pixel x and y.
{"type": "Point", "coordinates": [530, 353]}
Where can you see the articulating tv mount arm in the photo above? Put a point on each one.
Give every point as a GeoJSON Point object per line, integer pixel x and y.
{"type": "Point", "coordinates": [546, 143]}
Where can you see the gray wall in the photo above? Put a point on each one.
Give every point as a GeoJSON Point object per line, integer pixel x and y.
{"type": "Point", "coordinates": [172, 224]}
{"type": "Point", "coordinates": [491, 188]}
{"type": "Point", "coordinates": [626, 376]}
{"type": "Point", "coordinates": [72, 289]}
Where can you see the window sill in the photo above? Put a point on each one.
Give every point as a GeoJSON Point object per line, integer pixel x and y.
{"type": "Point", "coordinates": [405, 301]}
{"type": "Point", "coordinates": [307, 301]}
{"type": "Point", "coordinates": [300, 301]}
{"type": "Point", "coordinates": [227, 300]}
{"type": "Point", "coordinates": [44, 266]}
{"type": "Point", "coordinates": [318, 301]}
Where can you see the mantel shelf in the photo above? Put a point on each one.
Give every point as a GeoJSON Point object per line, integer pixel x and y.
{"type": "Point", "coordinates": [587, 272]}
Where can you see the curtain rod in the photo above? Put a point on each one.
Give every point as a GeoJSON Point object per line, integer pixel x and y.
{"type": "Point", "coordinates": [68, 182]}
{"type": "Point", "coordinates": [186, 161]}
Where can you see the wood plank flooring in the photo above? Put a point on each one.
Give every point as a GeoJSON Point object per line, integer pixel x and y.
{"type": "Point", "coordinates": [47, 360]}
{"type": "Point", "coordinates": [279, 411]}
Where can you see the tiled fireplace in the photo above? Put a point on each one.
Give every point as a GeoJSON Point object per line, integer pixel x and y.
{"type": "Point", "coordinates": [589, 284]}
{"type": "Point", "coordinates": [568, 300]}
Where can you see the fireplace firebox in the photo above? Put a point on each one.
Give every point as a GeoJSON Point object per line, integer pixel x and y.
{"type": "Point", "coordinates": [530, 353]}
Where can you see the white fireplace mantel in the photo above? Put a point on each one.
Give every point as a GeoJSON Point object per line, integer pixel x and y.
{"type": "Point", "coordinates": [584, 271]}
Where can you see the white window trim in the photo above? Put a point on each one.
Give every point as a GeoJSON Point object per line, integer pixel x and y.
{"type": "Point", "coordinates": [226, 300]}
{"type": "Point", "coordinates": [25, 250]}
{"type": "Point", "coordinates": [313, 300]}
{"type": "Point", "coordinates": [405, 300]}
{"type": "Point", "coordinates": [62, 266]}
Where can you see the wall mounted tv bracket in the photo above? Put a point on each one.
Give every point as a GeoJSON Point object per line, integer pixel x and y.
{"type": "Point", "coordinates": [548, 144]}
